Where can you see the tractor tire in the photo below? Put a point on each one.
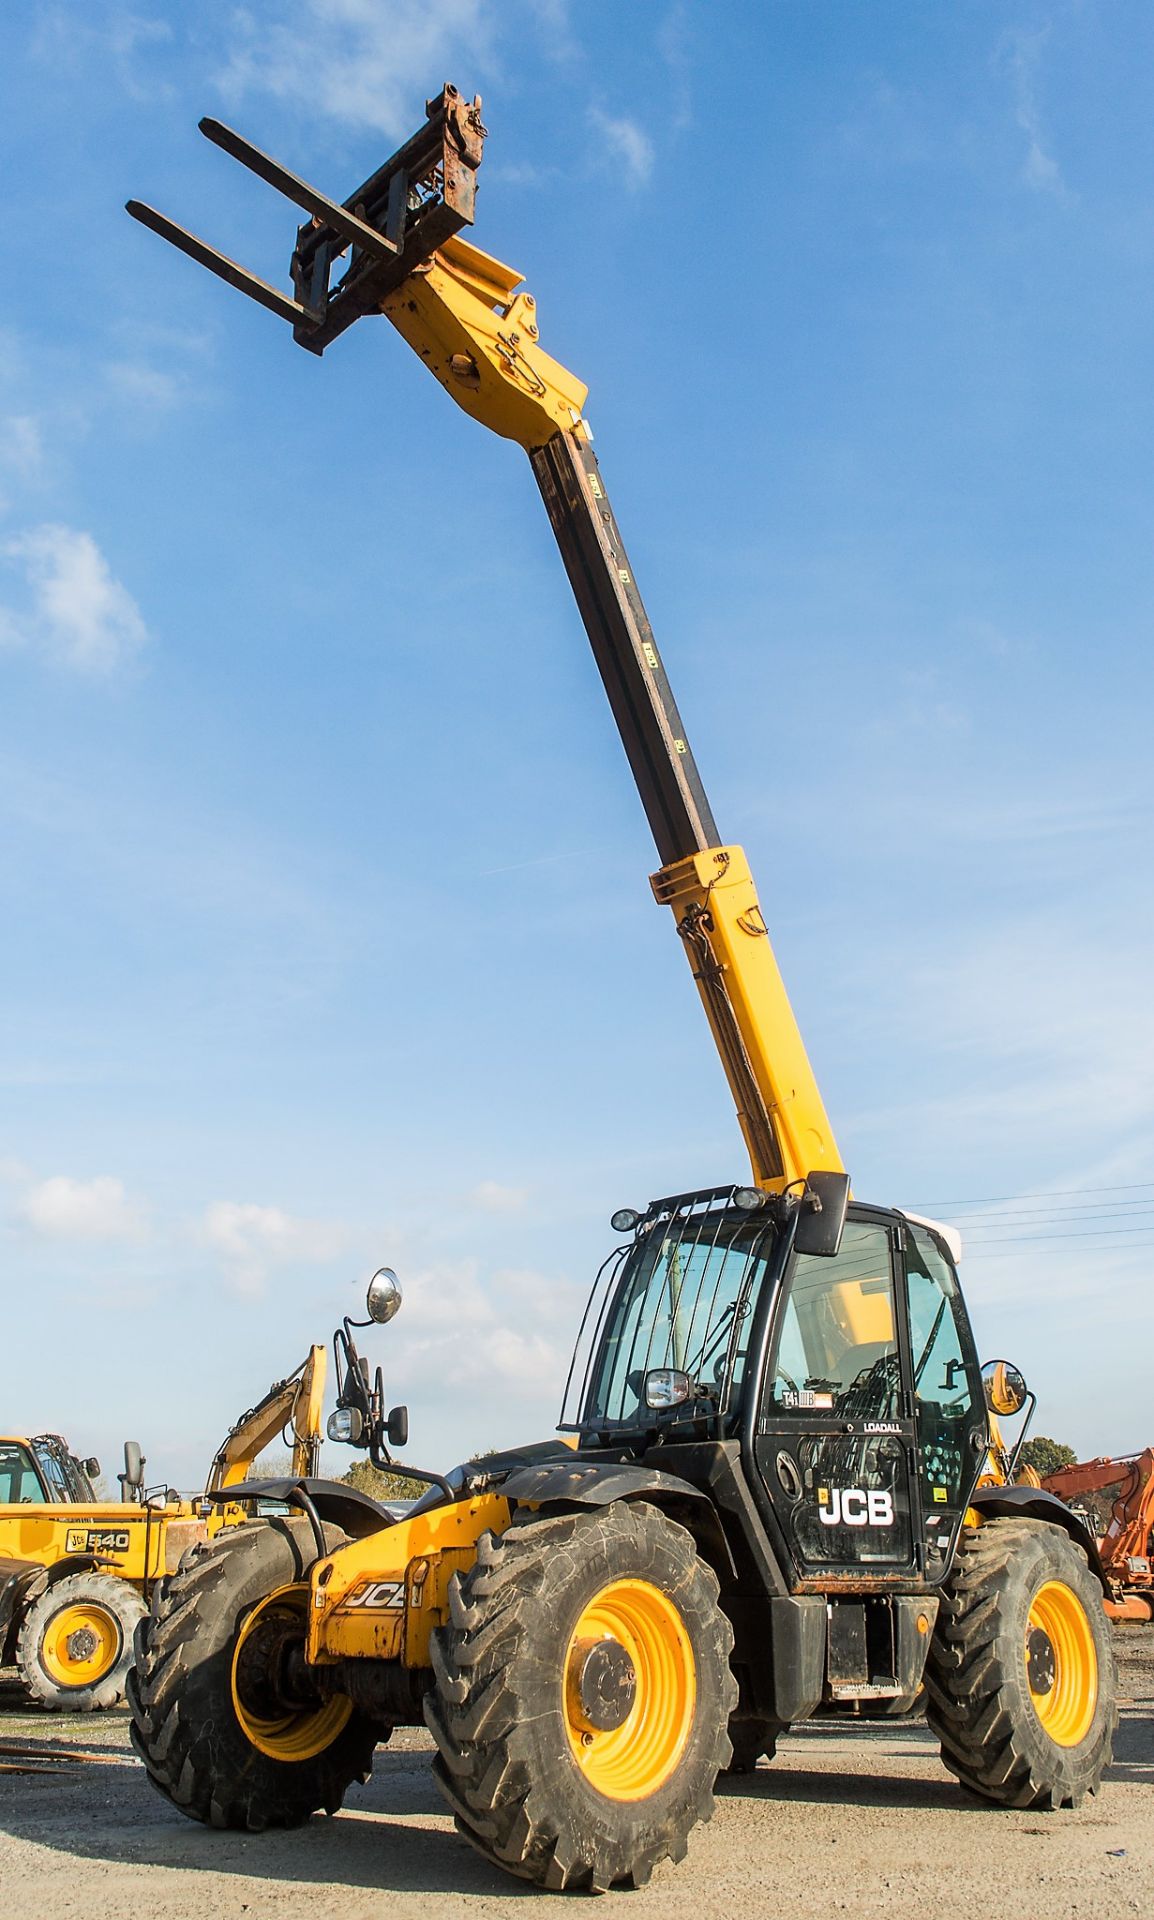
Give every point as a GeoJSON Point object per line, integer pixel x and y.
{"type": "Point", "coordinates": [582, 1695]}
{"type": "Point", "coordinates": [1020, 1679]}
{"type": "Point", "coordinates": [751, 1741]}
{"type": "Point", "coordinates": [74, 1647]}
{"type": "Point", "coordinates": [211, 1745]}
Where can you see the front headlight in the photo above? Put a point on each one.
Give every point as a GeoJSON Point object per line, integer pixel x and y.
{"type": "Point", "coordinates": [346, 1424]}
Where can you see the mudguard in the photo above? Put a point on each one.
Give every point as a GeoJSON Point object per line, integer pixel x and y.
{"type": "Point", "coordinates": [1034, 1503]}
{"type": "Point", "coordinates": [594, 1484]}
{"type": "Point", "coordinates": [354, 1512]}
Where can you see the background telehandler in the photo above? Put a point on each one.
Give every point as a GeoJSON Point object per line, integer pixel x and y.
{"type": "Point", "coordinates": [777, 1410]}
{"type": "Point", "coordinates": [76, 1572]}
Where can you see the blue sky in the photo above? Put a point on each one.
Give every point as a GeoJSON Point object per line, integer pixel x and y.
{"type": "Point", "coordinates": [328, 938]}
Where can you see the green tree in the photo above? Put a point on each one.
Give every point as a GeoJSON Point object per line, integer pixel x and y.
{"type": "Point", "coordinates": [1046, 1456]}
{"type": "Point", "coordinates": [382, 1486]}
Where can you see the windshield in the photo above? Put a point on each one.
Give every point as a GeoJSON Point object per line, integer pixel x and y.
{"type": "Point", "coordinates": [685, 1299]}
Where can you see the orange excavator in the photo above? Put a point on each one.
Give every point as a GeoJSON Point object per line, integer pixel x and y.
{"type": "Point", "coordinates": [1118, 1499]}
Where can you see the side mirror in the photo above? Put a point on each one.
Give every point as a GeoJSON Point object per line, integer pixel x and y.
{"type": "Point", "coordinates": [384, 1296]}
{"type": "Point", "coordinates": [1005, 1388]}
{"type": "Point", "coordinates": [91, 1467]}
{"type": "Point", "coordinates": [822, 1214]}
{"type": "Point", "coordinates": [132, 1479]}
{"type": "Point", "coordinates": [397, 1427]}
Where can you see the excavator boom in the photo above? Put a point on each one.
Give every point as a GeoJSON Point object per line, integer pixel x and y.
{"type": "Point", "coordinates": [468, 318]}
{"type": "Point", "coordinates": [297, 1404]}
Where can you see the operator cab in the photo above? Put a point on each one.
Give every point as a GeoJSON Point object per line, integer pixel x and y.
{"type": "Point", "coordinates": [42, 1472]}
{"type": "Point", "coordinates": [849, 1378]}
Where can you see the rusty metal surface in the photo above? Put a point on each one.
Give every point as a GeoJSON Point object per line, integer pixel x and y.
{"type": "Point", "coordinates": [389, 226]}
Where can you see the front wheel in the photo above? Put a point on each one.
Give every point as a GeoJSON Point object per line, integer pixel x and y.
{"type": "Point", "coordinates": [223, 1712]}
{"type": "Point", "coordinates": [74, 1647]}
{"type": "Point", "coordinates": [582, 1696]}
{"type": "Point", "coordinates": [1020, 1679]}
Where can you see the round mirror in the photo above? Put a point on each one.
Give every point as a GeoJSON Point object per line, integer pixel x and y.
{"type": "Point", "coordinates": [1006, 1389]}
{"type": "Point", "coordinates": [384, 1296]}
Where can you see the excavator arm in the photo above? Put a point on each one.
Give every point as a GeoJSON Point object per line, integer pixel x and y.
{"type": "Point", "coordinates": [468, 318]}
{"type": "Point", "coordinates": [296, 1403]}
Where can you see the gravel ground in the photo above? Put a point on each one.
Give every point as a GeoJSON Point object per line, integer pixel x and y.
{"type": "Point", "coordinates": [849, 1820]}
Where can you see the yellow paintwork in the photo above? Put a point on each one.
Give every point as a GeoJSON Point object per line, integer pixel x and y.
{"type": "Point", "coordinates": [754, 1006]}
{"type": "Point", "coordinates": [462, 316]}
{"type": "Point", "coordinates": [138, 1543]}
{"type": "Point", "coordinates": [1067, 1710]}
{"type": "Point", "coordinates": [60, 1653]}
{"type": "Point", "coordinates": [291, 1737]}
{"type": "Point", "coordinates": [462, 307]}
{"type": "Point", "coordinates": [634, 1760]}
{"type": "Point", "coordinates": [404, 1572]}
{"type": "Point", "coordinates": [299, 1401]}
{"type": "Point", "coordinates": [127, 1540]}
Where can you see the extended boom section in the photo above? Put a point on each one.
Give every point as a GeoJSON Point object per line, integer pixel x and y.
{"type": "Point", "coordinates": [470, 320]}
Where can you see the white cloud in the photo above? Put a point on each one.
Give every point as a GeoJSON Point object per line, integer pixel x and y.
{"type": "Point", "coordinates": [22, 445]}
{"type": "Point", "coordinates": [492, 1197]}
{"type": "Point", "coordinates": [77, 610]}
{"type": "Point", "coordinates": [61, 1208]}
{"type": "Point", "coordinates": [367, 62]}
{"type": "Point", "coordinates": [1020, 53]}
{"type": "Point", "coordinates": [626, 144]}
{"type": "Point", "coordinates": [253, 1239]}
{"type": "Point", "coordinates": [144, 386]}
{"type": "Point", "coordinates": [462, 1328]}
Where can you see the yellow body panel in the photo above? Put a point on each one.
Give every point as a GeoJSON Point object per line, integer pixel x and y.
{"type": "Point", "coordinates": [479, 339]}
{"type": "Point", "coordinates": [749, 1014]}
{"type": "Point", "coordinates": [381, 1598]}
{"type": "Point", "coordinates": [125, 1540]}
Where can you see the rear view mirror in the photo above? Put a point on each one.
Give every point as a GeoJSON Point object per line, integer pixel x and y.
{"type": "Point", "coordinates": [1006, 1390]}
{"type": "Point", "coordinates": [132, 1479]}
{"type": "Point", "coordinates": [822, 1213]}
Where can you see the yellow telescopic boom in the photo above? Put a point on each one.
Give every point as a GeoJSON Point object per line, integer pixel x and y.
{"type": "Point", "coordinates": [468, 318]}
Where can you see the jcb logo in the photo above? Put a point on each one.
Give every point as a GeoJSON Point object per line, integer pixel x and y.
{"type": "Point", "coordinates": [96, 1540]}
{"type": "Point", "coordinates": [854, 1507]}
{"type": "Point", "coordinates": [378, 1596]}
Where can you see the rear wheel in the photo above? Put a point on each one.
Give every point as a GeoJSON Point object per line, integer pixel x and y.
{"type": "Point", "coordinates": [1020, 1677]}
{"type": "Point", "coordinates": [224, 1714]}
{"type": "Point", "coordinates": [582, 1696]}
{"type": "Point", "coordinates": [74, 1647]}
{"type": "Point", "coordinates": [752, 1740]}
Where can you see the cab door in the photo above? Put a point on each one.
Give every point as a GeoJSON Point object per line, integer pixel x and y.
{"type": "Point", "coordinates": [835, 1437]}
{"type": "Point", "coordinates": [948, 1402]}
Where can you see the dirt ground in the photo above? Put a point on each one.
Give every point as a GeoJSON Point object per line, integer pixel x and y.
{"type": "Point", "coordinates": [848, 1820]}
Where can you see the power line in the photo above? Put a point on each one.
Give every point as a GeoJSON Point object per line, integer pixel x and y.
{"type": "Point", "coordinates": [1057, 1193]}
{"type": "Point", "coordinates": [1098, 1233]}
{"type": "Point", "coordinates": [1075, 1206]}
{"type": "Point", "coordinates": [1036, 1214]}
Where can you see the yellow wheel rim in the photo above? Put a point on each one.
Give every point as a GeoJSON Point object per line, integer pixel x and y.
{"type": "Point", "coordinates": [289, 1736]}
{"type": "Point", "coordinates": [632, 1637]}
{"type": "Point", "coordinates": [81, 1644]}
{"type": "Point", "coordinates": [1061, 1663]}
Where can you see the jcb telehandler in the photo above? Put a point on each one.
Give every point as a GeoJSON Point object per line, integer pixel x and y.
{"type": "Point", "coordinates": [77, 1572]}
{"type": "Point", "coordinates": [770, 1503]}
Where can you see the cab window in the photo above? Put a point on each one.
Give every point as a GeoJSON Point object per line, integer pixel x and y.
{"type": "Point", "coordinates": [53, 1471]}
{"type": "Point", "coordinates": [836, 1349]}
{"type": "Point", "coordinates": [946, 1399]}
{"type": "Point", "coordinates": [19, 1481]}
